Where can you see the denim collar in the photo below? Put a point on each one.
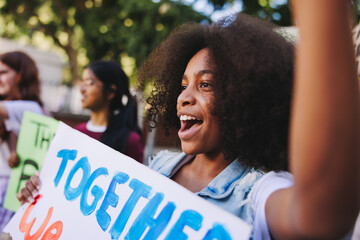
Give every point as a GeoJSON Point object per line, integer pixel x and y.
{"type": "Point", "coordinates": [222, 185]}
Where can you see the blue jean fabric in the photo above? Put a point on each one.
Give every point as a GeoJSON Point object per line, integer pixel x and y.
{"type": "Point", "coordinates": [229, 190]}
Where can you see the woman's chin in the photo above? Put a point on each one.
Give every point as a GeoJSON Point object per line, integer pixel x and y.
{"type": "Point", "coordinates": [84, 105]}
{"type": "Point", "coordinates": [189, 149]}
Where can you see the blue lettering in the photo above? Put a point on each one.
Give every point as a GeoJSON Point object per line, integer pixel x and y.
{"type": "Point", "coordinates": [145, 219]}
{"type": "Point", "coordinates": [66, 155]}
{"type": "Point", "coordinates": [188, 218]}
{"type": "Point", "coordinates": [218, 232]}
{"type": "Point", "coordinates": [140, 190]}
{"type": "Point", "coordinates": [111, 199]}
{"type": "Point", "coordinates": [72, 193]}
{"type": "Point", "coordinates": [96, 191]}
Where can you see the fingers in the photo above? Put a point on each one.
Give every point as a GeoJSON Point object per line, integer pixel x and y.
{"type": "Point", "coordinates": [30, 191]}
{"type": "Point", "coordinates": [35, 179]}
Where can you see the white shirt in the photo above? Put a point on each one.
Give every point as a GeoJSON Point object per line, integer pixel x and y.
{"type": "Point", "coordinates": [265, 186]}
{"type": "Point", "coordinates": [15, 111]}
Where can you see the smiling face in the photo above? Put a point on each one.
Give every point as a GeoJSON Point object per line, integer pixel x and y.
{"type": "Point", "coordinates": [199, 132]}
{"type": "Point", "coordinates": [8, 77]}
{"type": "Point", "coordinates": [91, 89]}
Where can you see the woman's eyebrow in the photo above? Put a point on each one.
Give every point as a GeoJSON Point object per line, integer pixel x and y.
{"type": "Point", "coordinates": [200, 73]}
{"type": "Point", "coordinates": [206, 71]}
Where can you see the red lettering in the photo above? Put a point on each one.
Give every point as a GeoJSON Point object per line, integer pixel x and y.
{"type": "Point", "coordinates": [26, 227]}
{"type": "Point", "coordinates": [48, 235]}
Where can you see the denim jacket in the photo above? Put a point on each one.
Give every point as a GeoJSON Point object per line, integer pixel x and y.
{"type": "Point", "coordinates": [229, 190]}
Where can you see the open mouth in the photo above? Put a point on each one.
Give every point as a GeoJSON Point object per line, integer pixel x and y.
{"type": "Point", "coordinates": [188, 122]}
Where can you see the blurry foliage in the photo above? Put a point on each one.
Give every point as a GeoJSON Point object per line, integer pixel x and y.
{"type": "Point", "coordinates": [273, 11]}
{"type": "Point", "coordinates": [96, 29]}
{"type": "Point", "coordinates": [86, 30]}
{"type": "Point", "coordinates": [267, 9]}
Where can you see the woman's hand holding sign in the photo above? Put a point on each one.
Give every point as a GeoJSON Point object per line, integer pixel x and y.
{"type": "Point", "coordinates": [30, 191]}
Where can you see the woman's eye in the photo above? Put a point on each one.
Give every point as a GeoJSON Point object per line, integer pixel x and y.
{"type": "Point", "coordinates": [88, 82]}
{"type": "Point", "coordinates": [183, 87]}
{"type": "Point", "coordinates": [205, 85]}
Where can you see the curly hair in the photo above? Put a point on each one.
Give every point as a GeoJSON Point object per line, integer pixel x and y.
{"type": "Point", "coordinates": [29, 84]}
{"type": "Point", "coordinates": [252, 85]}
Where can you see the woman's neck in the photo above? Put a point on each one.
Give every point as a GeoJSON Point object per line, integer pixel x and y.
{"type": "Point", "coordinates": [209, 165]}
{"type": "Point", "coordinates": [99, 117]}
{"type": "Point", "coordinates": [197, 174]}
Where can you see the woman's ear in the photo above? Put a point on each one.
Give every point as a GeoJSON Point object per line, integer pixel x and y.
{"type": "Point", "coordinates": [18, 78]}
{"type": "Point", "coordinates": [112, 92]}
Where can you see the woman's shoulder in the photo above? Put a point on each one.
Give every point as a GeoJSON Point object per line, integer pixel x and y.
{"type": "Point", "coordinates": [81, 126]}
{"type": "Point", "coordinates": [134, 137]}
{"type": "Point", "coordinates": [269, 183]}
{"type": "Point", "coordinates": [263, 188]}
{"type": "Point", "coordinates": [23, 105]}
{"type": "Point", "coordinates": [16, 109]}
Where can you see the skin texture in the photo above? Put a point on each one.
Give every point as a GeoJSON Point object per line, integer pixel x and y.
{"type": "Point", "coordinates": [27, 83]}
{"type": "Point", "coordinates": [196, 100]}
{"type": "Point", "coordinates": [93, 98]}
{"type": "Point", "coordinates": [324, 133]}
{"type": "Point", "coordinates": [30, 191]}
{"type": "Point", "coordinates": [203, 138]}
{"type": "Point", "coordinates": [8, 79]}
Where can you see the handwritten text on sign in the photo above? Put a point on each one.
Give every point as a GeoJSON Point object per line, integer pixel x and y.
{"type": "Point", "coordinates": [91, 191]}
{"type": "Point", "coordinates": [36, 134]}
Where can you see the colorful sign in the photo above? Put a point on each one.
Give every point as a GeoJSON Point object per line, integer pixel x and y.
{"type": "Point", "coordinates": [90, 191]}
{"type": "Point", "coordinates": [36, 133]}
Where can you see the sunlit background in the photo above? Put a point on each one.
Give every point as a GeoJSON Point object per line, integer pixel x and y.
{"type": "Point", "coordinates": [64, 36]}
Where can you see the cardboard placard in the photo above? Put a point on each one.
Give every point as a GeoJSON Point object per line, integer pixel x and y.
{"type": "Point", "coordinates": [36, 133]}
{"type": "Point", "coordinates": [90, 191]}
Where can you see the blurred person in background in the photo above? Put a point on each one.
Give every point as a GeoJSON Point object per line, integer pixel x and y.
{"type": "Point", "coordinates": [19, 92]}
{"type": "Point", "coordinates": [105, 91]}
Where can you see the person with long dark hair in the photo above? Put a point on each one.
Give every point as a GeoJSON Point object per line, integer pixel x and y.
{"type": "Point", "coordinates": [105, 91]}
{"type": "Point", "coordinates": [19, 92]}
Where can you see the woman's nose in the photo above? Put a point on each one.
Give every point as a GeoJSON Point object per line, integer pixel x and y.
{"type": "Point", "coordinates": [186, 97]}
{"type": "Point", "coordinates": [82, 87]}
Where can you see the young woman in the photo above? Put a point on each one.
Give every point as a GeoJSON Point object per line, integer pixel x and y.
{"type": "Point", "coordinates": [227, 88]}
{"type": "Point", "coordinates": [104, 87]}
{"type": "Point", "coordinates": [19, 92]}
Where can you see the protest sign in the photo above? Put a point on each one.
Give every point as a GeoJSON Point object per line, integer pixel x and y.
{"type": "Point", "coordinates": [90, 191]}
{"type": "Point", "coordinates": [36, 133]}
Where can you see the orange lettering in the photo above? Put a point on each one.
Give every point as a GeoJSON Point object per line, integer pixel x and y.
{"type": "Point", "coordinates": [48, 235]}
{"type": "Point", "coordinates": [26, 227]}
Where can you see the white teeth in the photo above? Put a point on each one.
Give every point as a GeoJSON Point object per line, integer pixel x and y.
{"type": "Point", "coordinates": [187, 118]}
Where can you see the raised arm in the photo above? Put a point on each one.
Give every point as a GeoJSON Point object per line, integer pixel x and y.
{"type": "Point", "coordinates": [324, 134]}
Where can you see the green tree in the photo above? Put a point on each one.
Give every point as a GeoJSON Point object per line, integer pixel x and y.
{"type": "Point", "coordinates": [96, 29]}
{"type": "Point", "coordinates": [272, 10]}
{"type": "Point", "coordinates": [277, 11]}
